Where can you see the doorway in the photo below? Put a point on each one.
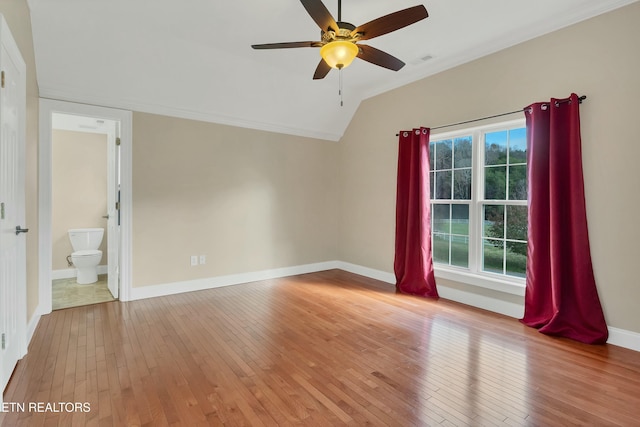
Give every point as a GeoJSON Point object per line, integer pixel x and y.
{"type": "Point", "coordinates": [85, 183]}
{"type": "Point", "coordinates": [113, 128]}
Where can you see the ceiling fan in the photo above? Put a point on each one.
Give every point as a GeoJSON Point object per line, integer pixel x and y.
{"type": "Point", "coordinates": [339, 40]}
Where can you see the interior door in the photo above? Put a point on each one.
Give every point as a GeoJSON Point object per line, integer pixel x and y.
{"type": "Point", "coordinates": [13, 310]}
{"type": "Point", "coordinates": [113, 223]}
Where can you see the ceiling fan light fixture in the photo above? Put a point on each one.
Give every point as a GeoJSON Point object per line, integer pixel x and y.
{"type": "Point", "coordinates": [338, 44]}
{"type": "Point", "coordinates": [339, 53]}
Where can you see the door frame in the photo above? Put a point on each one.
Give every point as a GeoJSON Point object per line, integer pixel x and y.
{"type": "Point", "coordinates": [47, 108]}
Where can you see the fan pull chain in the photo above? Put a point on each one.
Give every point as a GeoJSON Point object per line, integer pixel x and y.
{"type": "Point", "coordinates": [340, 86]}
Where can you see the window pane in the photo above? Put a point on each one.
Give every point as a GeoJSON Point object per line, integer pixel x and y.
{"type": "Point", "coordinates": [492, 255]}
{"type": "Point", "coordinates": [518, 182]}
{"type": "Point", "coordinates": [495, 148]}
{"type": "Point", "coordinates": [517, 223]}
{"type": "Point", "coordinates": [441, 248]}
{"type": "Point", "coordinates": [432, 181]}
{"type": "Point", "coordinates": [432, 149]}
{"type": "Point", "coordinates": [460, 219]}
{"type": "Point", "coordinates": [518, 146]}
{"type": "Point", "coordinates": [460, 233]}
{"type": "Point", "coordinates": [495, 183]}
{"type": "Point", "coordinates": [516, 259]}
{"type": "Point", "coordinates": [441, 219]}
{"type": "Point", "coordinates": [462, 152]}
{"type": "Point", "coordinates": [443, 154]}
{"type": "Point", "coordinates": [460, 251]}
{"type": "Point", "coordinates": [443, 185]}
{"type": "Point", "coordinates": [493, 221]}
{"type": "Point", "coordinates": [462, 184]}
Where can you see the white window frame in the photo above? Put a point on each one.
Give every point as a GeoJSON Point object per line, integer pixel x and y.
{"type": "Point", "coordinates": [473, 275]}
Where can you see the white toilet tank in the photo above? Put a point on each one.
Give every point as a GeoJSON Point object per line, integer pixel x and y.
{"type": "Point", "coordinates": [83, 239]}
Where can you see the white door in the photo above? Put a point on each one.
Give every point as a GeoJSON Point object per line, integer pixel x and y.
{"type": "Point", "coordinates": [113, 226]}
{"type": "Point", "coordinates": [13, 309]}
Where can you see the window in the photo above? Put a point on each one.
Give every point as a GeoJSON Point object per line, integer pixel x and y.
{"type": "Point", "coordinates": [451, 199]}
{"type": "Point", "coordinates": [479, 201]}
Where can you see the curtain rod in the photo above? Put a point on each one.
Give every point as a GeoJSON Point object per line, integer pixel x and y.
{"type": "Point", "coordinates": [580, 99]}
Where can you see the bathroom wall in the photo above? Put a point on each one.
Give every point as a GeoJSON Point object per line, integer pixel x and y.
{"type": "Point", "coordinates": [79, 189]}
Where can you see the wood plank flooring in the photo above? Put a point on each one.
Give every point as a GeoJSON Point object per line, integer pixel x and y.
{"type": "Point", "coordinates": [322, 349]}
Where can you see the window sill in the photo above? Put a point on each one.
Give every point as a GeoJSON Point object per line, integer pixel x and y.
{"type": "Point", "coordinates": [515, 286]}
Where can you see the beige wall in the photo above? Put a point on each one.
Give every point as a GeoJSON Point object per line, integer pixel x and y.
{"type": "Point", "coordinates": [16, 13]}
{"type": "Point", "coordinates": [79, 190]}
{"type": "Point", "coordinates": [598, 58]}
{"type": "Point", "coordinates": [248, 200]}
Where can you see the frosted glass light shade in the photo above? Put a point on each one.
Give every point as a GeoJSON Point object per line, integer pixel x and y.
{"type": "Point", "coordinates": [339, 54]}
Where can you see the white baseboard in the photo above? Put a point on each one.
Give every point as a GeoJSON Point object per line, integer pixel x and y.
{"type": "Point", "coordinates": [69, 273]}
{"type": "Point", "coordinates": [32, 325]}
{"type": "Point", "coordinates": [624, 338]}
{"type": "Point", "coordinates": [233, 279]}
{"type": "Point", "coordinates": [383, 276]}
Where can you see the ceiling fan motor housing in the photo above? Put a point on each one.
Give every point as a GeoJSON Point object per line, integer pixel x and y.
{"type": "Point", "coordinates": [344, 33]}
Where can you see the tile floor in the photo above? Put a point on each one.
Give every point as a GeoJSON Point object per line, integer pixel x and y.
{"type": "Point", "coordinates": [67, 293]}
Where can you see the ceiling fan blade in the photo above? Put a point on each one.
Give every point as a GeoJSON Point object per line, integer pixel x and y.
{"type": "Point", "coordinates": [322, 70]}
{"type": "Point", "coordinates": [393, 21]}
{"type": "Point", "coordinates": [378, 57]}
{"type": "Point", "coordinates": [320, 14]}
{"type": "Point", "coordinates": [285, 45]}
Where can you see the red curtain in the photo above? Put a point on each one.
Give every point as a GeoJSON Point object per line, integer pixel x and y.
{"type": "Point", "coordinates": [413, 264]}
{"type": "Point", "coordinates": [561, 297]}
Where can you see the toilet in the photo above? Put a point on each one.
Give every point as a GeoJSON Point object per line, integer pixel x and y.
{"type": "Point", "coordinates": [86, 256]}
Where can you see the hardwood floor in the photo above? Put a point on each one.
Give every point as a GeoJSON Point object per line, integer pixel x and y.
{"type": "Point", "coordinates": [322, 349]}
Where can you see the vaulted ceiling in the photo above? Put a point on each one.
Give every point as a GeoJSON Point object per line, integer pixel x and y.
{"type": "Point", "coordinates": [193, 58]}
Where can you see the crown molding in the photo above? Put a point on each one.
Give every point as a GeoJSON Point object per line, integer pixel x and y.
{"type": "Point", "coordinates": [505, 41]}
{"type": "Point", "coordinates": [210, 117]}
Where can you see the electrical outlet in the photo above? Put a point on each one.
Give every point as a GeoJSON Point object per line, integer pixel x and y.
{"type": "Point", "coordinates": [194, 260]}
{"type": "Point", "coordinates": [203, 259]}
